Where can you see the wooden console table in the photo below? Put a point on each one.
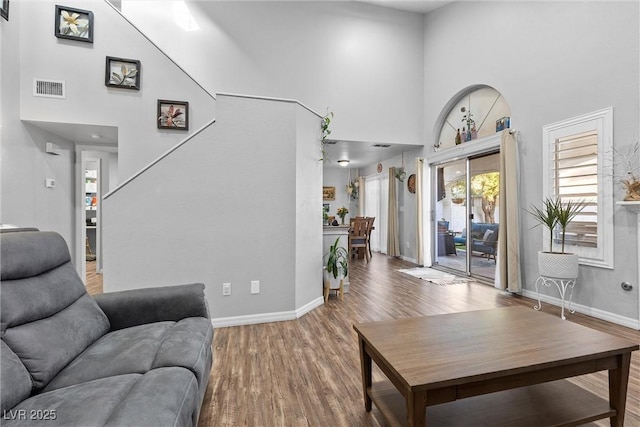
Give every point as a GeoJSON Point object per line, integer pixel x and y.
{"type": "Point", "coordinates": [507, 365]}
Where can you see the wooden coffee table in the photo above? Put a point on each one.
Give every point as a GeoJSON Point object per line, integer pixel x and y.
{"type": "Point", "coordinates": [507, 364]}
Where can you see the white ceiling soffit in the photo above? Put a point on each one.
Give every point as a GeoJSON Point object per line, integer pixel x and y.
{"type": "Point", "coordinates": [81, 133]}
{"type": "Point", "coordinates": [418, 6]}
{"type": "Point", "coordinates": [362, 154]}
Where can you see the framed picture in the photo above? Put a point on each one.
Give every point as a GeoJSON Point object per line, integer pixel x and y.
{"type": "Point", "coordinates": [74, 24]}
{"type": "Point", "coordinates": [328, 193]}
{"type": "Point", "coordinates": [173, 114]}
{"type": "Point", "coordinates": [4, 9]}
{"type": "Point", "coordinates": [122, 73]}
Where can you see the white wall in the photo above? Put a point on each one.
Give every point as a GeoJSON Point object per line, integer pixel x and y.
{"type": "Point", "coordinates": [237, 203]}
{"type": "Point", "coordinates": [24, 200]}
{"type": "Point", "coordinates": [551, 61]}
{"type": "Point", "coordinates": [308, 204]}
{"type": "Point", "coordinates": [82, 66]}
{"type": "Point", "coordinates": [339, 178]}
{"type": "Point", "coordinates": [407, 209]}
{"type": "Point", "coordinates": [30, 49]}
{"type": "Point", "coordinates": [363, 62]}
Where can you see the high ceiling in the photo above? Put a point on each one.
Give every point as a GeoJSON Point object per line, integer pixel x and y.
{"type": "Point", "coordinates": [359, 153]}
{"type": "Point", "coordinates": [419, 6]}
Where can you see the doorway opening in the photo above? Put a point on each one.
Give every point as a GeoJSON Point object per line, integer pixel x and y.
{"type": "Point", "coordinates": [96, 171]}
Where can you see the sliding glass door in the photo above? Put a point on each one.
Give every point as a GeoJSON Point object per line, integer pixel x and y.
{"type": "Point", "coordinates": [484, 215]}
{"type": "Point", "coordinates": [467, 215]}
{"type": "Point", "coordinates": [451, 216]}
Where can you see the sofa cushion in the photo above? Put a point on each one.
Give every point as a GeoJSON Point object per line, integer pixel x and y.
{"type": "Point", "coordinates": [126, 351]}
{"type": "Point", "coordinates": [188, 344]}
{"type": "Point", "coordinates": [140, 349]}
{"type": "Point", "coordinates": [30, 253]}
{"type": "Point", "coordinates": [16, 383]}
{"type": "Point", "coordinates": [46, 316]}
{"type": "Point", "coordinates": [45, 346]}
{"type": "Point", "coordinates": [162, 397]}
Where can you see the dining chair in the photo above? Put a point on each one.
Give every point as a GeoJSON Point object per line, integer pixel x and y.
{"type": "Point", "coordinates": [371, 220]}
{"type": "Point", "coordinates": [358, 236]}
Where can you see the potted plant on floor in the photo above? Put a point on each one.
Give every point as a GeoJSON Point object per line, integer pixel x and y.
{"type": "Point", "coordinates": [556, 214]}
{"type": "Point", "coordinates": [336, 269]}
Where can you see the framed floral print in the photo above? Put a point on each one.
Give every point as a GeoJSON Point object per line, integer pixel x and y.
{"type": "Point", "coordinates": [328, 193]}
{"type": "Point", "coordinates": [4, 9]}
{"type": "Point", "coordinates": [173, 115]}
{"type": "Point", "coordinates": [74, 24]}
{"type": "Point", "coordinates": [122, 73]}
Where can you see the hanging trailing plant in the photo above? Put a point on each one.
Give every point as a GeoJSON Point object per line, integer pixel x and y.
{"type": "Point", "coordinates": [325, 132]}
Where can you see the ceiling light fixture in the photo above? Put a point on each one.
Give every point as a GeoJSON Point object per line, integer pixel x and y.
{"type": "Point", "coordinates": [343, 163]}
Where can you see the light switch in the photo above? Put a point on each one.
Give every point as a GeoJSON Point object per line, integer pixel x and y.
{"type": "Point", "coordinates": [226, 289]}
{"type": "Point", "coordinates": [255, 286]}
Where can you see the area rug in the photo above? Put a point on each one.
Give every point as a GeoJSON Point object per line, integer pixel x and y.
{"type": "Point", "coordinates": [435, 276]}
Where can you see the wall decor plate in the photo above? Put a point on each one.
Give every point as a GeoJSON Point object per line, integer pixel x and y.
{"type": "Point", "coordinates": [411, 183]}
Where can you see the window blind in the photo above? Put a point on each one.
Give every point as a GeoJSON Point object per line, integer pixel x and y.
{"type": "Point", "coordinates": [575, 177]}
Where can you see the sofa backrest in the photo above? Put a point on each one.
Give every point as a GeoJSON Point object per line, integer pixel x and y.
{"type": "Point", "coordinates": [16, 381]}
{"type": "Point", "coordinates": [479, 228]}
{"type": "Point", "coordinates": [46, 316]}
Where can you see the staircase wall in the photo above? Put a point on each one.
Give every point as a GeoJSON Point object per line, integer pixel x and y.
{"type": "Point", "coordinates": [241, 201]}
{"type": "Point", "coordinates": [88, 101]}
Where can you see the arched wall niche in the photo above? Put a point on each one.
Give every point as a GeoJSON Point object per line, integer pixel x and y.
{"type": "Point", "coordinates": [486, 105]}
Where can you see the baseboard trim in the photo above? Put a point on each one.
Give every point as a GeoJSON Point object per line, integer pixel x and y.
{"type": "Point", "coordinates": [254, 319]}
{"type": "Point", "coordinates": [583, 309]}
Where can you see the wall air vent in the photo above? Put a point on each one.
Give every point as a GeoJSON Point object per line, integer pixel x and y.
{"type": "Point", "coordinates": [381, 145]}
{"type": "Point", "coordinates": [330, 142]}
{"type": "Point", "coordinates": [49, 88]}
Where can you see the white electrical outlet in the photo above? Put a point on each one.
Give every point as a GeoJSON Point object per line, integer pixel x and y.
{"type": "Point", "coordinates": [408, 244]}
{"type": "Point", "coordinates": [226, 289]}
{"type": "Point", "coordinates": [255, 286]}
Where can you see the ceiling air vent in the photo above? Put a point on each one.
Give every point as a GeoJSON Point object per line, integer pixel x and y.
{"type": "Point", "coordinates": [49, 88]}
{"type": "Point", "coordinates": [381, 145]}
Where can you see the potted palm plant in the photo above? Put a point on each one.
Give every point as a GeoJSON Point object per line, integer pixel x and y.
{"type": "Point", "coordinates": [336, 269]}
{"type": "Point", "coordinates": [555, 214]}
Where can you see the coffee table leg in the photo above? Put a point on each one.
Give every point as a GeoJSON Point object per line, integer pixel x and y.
{"type": "Point", "coordinates": [365, 360]}
{"type": "Point", "coordinates": [618, 382]}
{"type": "Point", "coordinates": [416, 408]}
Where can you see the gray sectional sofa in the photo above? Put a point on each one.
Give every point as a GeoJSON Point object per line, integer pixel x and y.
{"type": "Point", "coordinates": [133, 358]}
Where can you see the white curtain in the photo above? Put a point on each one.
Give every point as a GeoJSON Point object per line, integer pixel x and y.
{"type": "Point", "coordinates": [393, 239]}
{"type": "Point", "coordinates": [508, 262]}
{"type": "Point", "coordinates": [422, 193]}
{"type": "Point", "coordinates": [376, 196]}
{"type": "Point", "coordinates": [361, 197]}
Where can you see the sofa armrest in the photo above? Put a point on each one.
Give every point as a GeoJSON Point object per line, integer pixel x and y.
{"type": "Point", "coordinates": [141, 306]}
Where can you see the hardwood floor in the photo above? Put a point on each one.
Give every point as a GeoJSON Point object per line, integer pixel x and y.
{"type": "Point", "coordinates": [94, 280]}
{"type": "Point", "coordinates": [307, 371]}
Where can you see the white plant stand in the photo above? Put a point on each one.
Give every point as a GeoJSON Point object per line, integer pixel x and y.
{"type": "Point", "coordinates": [563, 285]}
